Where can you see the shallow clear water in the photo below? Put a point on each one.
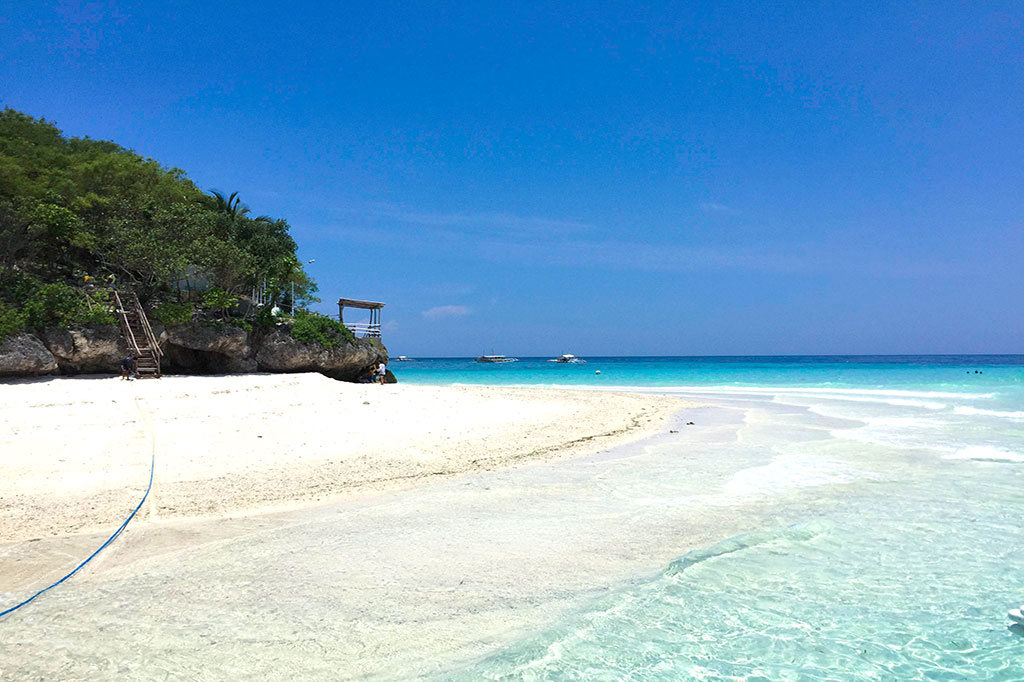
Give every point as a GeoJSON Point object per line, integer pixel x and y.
{"type": "Point", "coordinates": [903, 569]}
{"type": "Point", "coordinates": [824, 519]}
{"type": "Point", "coordinates": [915, 588]}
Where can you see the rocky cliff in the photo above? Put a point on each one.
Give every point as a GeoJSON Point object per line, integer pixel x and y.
{"type": "Point", "coordinates": [194, 348]}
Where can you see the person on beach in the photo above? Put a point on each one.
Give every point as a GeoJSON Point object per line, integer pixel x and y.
{"type": "Point", "coordinates": [382, 372]}
{"type": "Point", "coordinates": [129, 367]}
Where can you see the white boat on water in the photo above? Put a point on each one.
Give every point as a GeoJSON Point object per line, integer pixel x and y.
{"type": "Point", "coordinates": [568, 358]}
{"type": "Point", "coordinates": [1017, 615]}
{"type": "Point", "coordinates": [496, 358]}
{"type": "Point", "coordinates": [402, 358]}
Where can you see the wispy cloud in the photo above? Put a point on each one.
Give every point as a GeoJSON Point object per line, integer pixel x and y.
{"type": "Point", "coordinates": [821, 251]}
{"type": "Point", "coordinates": [443, 311]}
{"type": "Point", "coordinates": [622, 255]}
{"type": "Point", "coordinates": [807, 258]}
{"type": "Point", "coordinates": [508, 223]}
{"type": "Point", "coordinates": [715, 207]}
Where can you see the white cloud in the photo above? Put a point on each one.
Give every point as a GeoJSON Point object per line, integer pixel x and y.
{"type": "Point", "coordinates": [621, 255]}
{"type": "Point", "coordinates": [507, 223]}
{"type": "Point", "coordinates": [443, 311]}
{"type": "Point", "coordinates": [721, 209]}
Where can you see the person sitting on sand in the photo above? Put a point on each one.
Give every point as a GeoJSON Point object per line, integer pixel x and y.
{"type": "Point", "coordinates": [129, 367]}
{"type": "Point", "coordinates": [369, 376]}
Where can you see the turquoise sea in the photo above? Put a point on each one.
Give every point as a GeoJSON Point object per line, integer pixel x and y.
{"type": "Point", "coordinates": [843, 518]}
{"type": "Point", "coordinates": [887, 541]}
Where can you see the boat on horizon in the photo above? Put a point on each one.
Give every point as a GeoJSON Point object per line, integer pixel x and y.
{"type": "Point", "coordinates": [402, 358]}
{"type": "Point", "coordinates": [496, 358]}
{"type": "Point", "coordinates": [568, 358]}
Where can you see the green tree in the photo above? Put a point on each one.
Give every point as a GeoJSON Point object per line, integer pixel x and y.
{"type": "Point", "coordinates": [75, 207]}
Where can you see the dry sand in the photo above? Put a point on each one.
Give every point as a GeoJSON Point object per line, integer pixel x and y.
{"type": "Point", "coordinates": [75, 452]}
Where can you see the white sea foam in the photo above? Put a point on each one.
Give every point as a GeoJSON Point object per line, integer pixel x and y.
{"type": "Point", "coordinates": [898, 397]}
{"type": "Point", "coordinates": [896, 432]}
{"type": "Point", "coordinates": [819, 391]}
{"type": "Point", "coordinates": [898, 402]}
{"type": "Point", "coordinates": [987, 453]}
{"type": "Point", "coordinates": [973, 411]}
{"type": "Point", "coordinates": [786, 472]}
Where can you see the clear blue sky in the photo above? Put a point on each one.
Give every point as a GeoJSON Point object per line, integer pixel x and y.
{"type": "Point", "coordinates": [604, 178]}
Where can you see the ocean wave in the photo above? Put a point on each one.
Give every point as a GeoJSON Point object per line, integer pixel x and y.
{"type": "Point", "coordinates": [903, 433]}
{"type": "Point", "coordinates": [986, 453]}
{"type": "Point", "coordinates": [786, 472]}
{"type": "Point", "coordinates": [801, 532]}
{"type": "Point", "coordinates": [977, 411]}
{"type": "Point", "coordinates": [837, 393]}
{"type": "Point", "coordinates": [816, 391]}
{"type": "Point", "coordinates": [896, 402]}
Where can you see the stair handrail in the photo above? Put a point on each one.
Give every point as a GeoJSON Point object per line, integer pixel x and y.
{"type": "Point", "coordinates": [148, 330]}
{"type": "Point", "coordinates": [125, 327]}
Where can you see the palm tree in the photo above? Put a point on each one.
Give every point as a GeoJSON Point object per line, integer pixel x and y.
{"type": "Point", "coordinates": [232, 205]}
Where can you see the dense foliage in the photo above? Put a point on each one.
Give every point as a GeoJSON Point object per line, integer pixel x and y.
{"type": "Point", "coordinates": [313, 328]}
{"type": "Point", "coordinates": [172, 312]}
{"type": "Point", "coordinates": [78, 215]}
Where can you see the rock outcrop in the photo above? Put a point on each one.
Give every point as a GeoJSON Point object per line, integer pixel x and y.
{"type": "Point", "coordinates": [86, 351]}
{"type": "Point", "coordinates": [279, 351]}
{"type": "Point", "coordinates": [197, 348]}
{"type": "Point", "coordinates": [193, 348]}
{"type": "Point", "coordinates": [226, 340]}
{"type": "Point", "coordinates": [23, 355]}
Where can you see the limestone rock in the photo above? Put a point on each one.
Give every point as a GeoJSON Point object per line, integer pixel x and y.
{"type": "Point", "coordinates": [280, 352]}
{"type": "Point", "coordinates": [193, 348]}
{"type": "Point", "coordinates": [23, 355]}
{"type": "Point", "coordinates": [240, 366]}
{"type": "Point", "coordinates": [86, 350]}
{"type": "Point", "coordinates": [198, 348]}
{"type": "Point", "coordinates": [227, 340]}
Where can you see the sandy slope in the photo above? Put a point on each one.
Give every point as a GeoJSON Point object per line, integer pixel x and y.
{"type": "Point", "coordinates": [75, 452]}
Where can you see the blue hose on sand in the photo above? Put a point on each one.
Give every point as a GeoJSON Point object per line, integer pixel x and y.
{"type": "Point", "coordinates": [152, 466]}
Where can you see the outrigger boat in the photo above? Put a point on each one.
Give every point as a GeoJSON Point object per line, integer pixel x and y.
{"type": "Point", "coordinates": [568, 358]}
{"type": "Point", "coordinates": [496, 358]}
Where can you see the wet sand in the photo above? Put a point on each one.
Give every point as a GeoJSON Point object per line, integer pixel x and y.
{"type": "Point", "coordinates": [299, 528]}
{"type": "Point", "coordinates": [75, 453]}
{"type": "Point", "coordinates": [399, 585]}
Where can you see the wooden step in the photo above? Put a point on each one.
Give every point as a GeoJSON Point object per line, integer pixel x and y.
{"type": "Point", "coordinates": [134, 330]}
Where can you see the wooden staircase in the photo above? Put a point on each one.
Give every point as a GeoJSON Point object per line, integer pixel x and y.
{"type": "Point", "coordinates": [137, 333]}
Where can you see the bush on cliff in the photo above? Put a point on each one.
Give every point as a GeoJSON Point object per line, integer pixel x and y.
{"type": "Point", "coordinates": [12, 321]}
{"type": "Point", "coordinates": [313, 328]}
{"type": "Point", "coordinates": [59, 305]}
{"type": "Point", "coordinates": [170, 312]}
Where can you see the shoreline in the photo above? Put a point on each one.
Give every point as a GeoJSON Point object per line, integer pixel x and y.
{"type": "Point", "coordinates": [404, 584]}
{"type": "Point", "coordinates": [77, 449]}
{"type": "Point", "coordinates": [502, 570]}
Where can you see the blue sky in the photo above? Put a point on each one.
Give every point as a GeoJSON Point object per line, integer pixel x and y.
{"type": "Point", "coordinates": [598, 178]}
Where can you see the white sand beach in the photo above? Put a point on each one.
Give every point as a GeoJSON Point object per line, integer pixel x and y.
{"type": "Point", "coordinates": [296, 532]}
{"type": "Point", "coordinates": [76, 451]}
{"type": "Point", "coordinates": [302, 476]}
{"type": "Point", "coordinates": [350, 495]}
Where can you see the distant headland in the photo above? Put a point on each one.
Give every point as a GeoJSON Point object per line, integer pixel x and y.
{"type": "Point", "coordinates": [87, 228]}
